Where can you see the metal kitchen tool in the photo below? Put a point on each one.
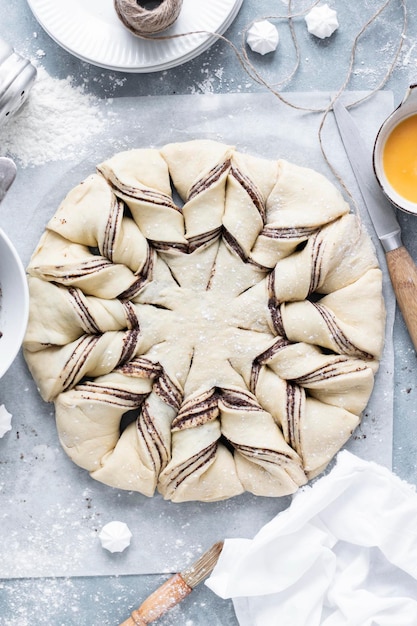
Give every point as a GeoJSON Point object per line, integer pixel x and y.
{"type": "Point", "coordinates": [17, 76]}
{"type": "Point", "coordinates": [401, 267]}
{"type": "Point", "coordinates": [7, 175]}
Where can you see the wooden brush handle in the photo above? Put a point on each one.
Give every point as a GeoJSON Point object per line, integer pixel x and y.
{"type": "Point", "coordinates": [403, 273]}
{"type": "Point", "coordinates": [164, 598]}
{"type": "Point", "coordinates": [134, 622]}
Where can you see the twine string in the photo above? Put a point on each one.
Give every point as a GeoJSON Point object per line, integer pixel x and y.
{"type": "Point", "coordinates": [344, 85]}
{"type": "Point", "coordinates": [250, 69]}
{"type": "Point", "coordinates": [255, 75]}
{"type": "Point", "coordinates": [144, 21]}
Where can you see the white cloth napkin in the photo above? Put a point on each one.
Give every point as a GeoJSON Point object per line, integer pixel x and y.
{"type": "Point", "coordinates": [343, 554]}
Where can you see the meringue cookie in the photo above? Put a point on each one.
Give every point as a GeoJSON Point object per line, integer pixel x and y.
{"type": "Point", "coordinates": [115, 536]}
{"type": "Point", "coordinates": [262, 37]}
{"type": "Point", "coordinates": [322, 21]}
{"type": "Point", "coordinates": [5, 421]}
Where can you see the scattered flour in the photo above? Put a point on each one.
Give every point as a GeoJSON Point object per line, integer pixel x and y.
{"type": "Point", "coordinates": [408, 54]}
{"type": "Point", "coordinates": [52, 124]}
{"type": "Point", "coordinates": [211, 81]}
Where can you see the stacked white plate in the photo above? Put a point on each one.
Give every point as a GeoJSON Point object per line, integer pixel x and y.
{"type": "Point", "coordinates": [92, 31]}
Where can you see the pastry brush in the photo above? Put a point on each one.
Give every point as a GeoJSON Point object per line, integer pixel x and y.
{"type": "Point", "coordinates": [175, 589]}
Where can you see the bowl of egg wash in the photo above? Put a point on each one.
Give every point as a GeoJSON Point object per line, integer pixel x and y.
{"type": "Point", "coordinates": [395, 154]}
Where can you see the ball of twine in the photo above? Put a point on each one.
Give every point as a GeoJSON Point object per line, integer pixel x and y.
{"type": "Point", "coordinates": [142, 21]}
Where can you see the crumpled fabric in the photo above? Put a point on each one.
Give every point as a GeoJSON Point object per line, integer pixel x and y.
{"type": "Point", "coordinates": [343, 554]}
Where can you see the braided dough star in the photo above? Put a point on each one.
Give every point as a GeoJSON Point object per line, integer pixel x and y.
{"type": "Point", "coordinates": [206, 322]}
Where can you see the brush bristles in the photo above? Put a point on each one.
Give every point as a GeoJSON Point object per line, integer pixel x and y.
{"type": "Point", "coordinates": [194, 574]}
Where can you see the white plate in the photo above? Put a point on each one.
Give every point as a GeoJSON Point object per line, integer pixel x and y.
{"type": "Point", "coordinates": [92, 31]}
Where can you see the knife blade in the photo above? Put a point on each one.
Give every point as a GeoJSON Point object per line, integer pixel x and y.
{"type": "Point", "coordinates": [381, 211]}
{"type": "Point", "coordinates": [401, 267]}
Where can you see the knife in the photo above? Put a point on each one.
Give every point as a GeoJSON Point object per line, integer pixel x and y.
{"type": "Point", "coordinates": [401, 267]}
{"type": "Point", "coordinates": [7, 175]}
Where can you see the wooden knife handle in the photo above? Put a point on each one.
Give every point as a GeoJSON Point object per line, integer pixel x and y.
{"type": "Point", "coordinates": [403, 272]}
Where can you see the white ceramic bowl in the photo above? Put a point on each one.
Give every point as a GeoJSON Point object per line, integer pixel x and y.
{"type": "Point", "coordinates": [14, 303]}
{"type": "Point", "coordinates": [407, 108]}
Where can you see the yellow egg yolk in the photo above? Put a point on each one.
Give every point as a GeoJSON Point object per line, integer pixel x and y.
{"type": "Point", "coordinates": [399, 158]}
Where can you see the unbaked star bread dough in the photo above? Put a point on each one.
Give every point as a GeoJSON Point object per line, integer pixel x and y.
{"type": "Point", "coordinates": [206, 322]}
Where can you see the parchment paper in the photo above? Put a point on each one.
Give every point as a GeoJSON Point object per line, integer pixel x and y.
{"type": "Point", "coordinates": [50, 510]}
